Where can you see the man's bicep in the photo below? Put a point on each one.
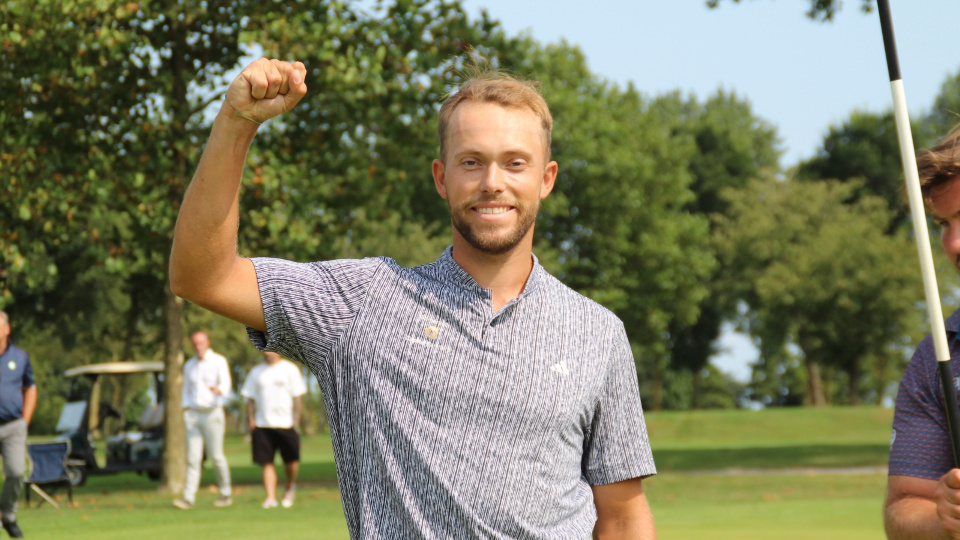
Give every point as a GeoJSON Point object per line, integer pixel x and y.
{"type": "Point", "coordinates": [237, 297]}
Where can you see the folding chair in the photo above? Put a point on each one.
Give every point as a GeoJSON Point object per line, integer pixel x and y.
{"type": "Point", "coordinates": [48, 466]}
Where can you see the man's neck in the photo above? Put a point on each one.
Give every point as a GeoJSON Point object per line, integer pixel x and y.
{"type": "Point", "coordinates": [4, 344]}
{"type": "Point", "coordinates": [505, 274]}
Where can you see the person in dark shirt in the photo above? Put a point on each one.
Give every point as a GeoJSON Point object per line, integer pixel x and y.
{"type": "Point", "coordinates": [18, 400]}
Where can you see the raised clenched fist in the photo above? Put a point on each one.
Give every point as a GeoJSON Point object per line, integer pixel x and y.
{"type": "Point", "coordinates": [267, 88]}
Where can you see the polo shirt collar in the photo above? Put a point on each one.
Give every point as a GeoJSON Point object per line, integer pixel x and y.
{"type": "Point", "coordinates": [952, 324]}
{"type": "Point", "coordinates": [454, 275]}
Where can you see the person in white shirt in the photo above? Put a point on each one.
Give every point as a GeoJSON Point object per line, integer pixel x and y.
{"type": "Point", "coordinates": [206, 382]}
{"type": "Point", "coordinates": [274, 391]}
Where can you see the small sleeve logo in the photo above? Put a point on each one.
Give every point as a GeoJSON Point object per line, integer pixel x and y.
{"type": "Point", "coordinates": [431, 332]}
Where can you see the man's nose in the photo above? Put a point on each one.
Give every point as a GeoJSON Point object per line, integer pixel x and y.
{"type": "Point", "coordinates": [493, 179]}
{"type": "Point", "coordinates": [951, 239]}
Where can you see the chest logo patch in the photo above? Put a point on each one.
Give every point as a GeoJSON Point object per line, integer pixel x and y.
{"type": "Point", "coordinates": [431, 332]}
{"type": "Point", "coordinates": [12, 365]}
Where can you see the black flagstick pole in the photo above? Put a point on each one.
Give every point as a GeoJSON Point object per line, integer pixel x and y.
{"type": "Point", "coordinates": [921, 234]}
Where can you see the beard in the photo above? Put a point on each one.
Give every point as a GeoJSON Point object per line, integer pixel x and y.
{"type": "Point", "coordinates": [489, 238]}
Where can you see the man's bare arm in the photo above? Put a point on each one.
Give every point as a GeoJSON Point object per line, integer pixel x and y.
{"type": "Point", "coordinates": [918, 508]}
{"type": "Point", "coordinates": [623, 512]}
{"type": "Point", "coordinates": [297, 411]}
{"type": "Point", "coordinates": [251, 414]}
{"type": "Point", "coordinates": [29, 403]}
{"type": "Point", "coordinates": [204, 265]}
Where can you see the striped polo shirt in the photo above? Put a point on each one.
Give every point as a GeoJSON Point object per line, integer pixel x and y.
{"type": "Point", "coordinates": [450, 420]}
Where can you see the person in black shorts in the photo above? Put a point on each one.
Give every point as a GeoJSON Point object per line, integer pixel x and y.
{"type": "Point", "coordinates": [274, 391]}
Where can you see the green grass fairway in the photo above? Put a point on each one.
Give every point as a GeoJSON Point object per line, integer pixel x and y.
{"type": "Point", "coordinates": [687, 503]}
{"type": "Point", "coordinates": [770, 439]}
{"type": "Point", "coordinates": [767, 506]}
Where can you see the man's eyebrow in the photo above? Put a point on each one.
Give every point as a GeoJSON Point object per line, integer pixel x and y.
{"type": "Point", "coordinates": [936, 217]}
{"type": "Point", "coordinates": [472, 151]}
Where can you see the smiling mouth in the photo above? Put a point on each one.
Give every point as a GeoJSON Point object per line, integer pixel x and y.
{"type": "Point", "coordinates": [493, 210]}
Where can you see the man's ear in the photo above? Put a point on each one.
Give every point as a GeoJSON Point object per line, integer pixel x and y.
{"type": "Point", "coordinates": [549, 178]}
{"type": "Point", "coordinates": [439, 178]}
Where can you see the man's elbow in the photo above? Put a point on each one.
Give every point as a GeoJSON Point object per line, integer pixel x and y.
{"type": "Point", "coordinates": [184, 285]}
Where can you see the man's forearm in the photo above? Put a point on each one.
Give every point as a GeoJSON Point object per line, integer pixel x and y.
{"type": "Point", "coordinates": [205, 236]}
{"type": "Point", "coordinates": [297, 411]}
{"type": "Point", "coordinates": [251, 414]}
{"type": "Point", "coordinates": [29, 403]}
{"type": "Point", "coordinates": [632, 521]}
{"type": "Point", "coordinates": [913, 518]}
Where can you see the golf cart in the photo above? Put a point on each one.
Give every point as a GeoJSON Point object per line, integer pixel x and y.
{"type": "Point", "coordinates": [136, 447]}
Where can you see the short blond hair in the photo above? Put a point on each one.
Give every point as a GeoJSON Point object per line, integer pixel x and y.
{"type": "Point", "coordinates": [494, 86]}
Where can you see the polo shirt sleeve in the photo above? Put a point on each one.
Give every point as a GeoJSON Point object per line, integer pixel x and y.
{"type": "Point", "coordinates": [616, 447]}
{"type": "Point", "coordinates": [309, 306]}
{"type": "Point", "coordinates": [920, 443]}
{"type": "Point", "coordinates": [28, 380]}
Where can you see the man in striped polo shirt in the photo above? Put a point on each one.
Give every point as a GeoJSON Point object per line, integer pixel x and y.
{"type": "Point", "coordinates": [473, 397]}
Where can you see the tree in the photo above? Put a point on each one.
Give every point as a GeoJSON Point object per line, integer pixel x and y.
{"type": "Point", "coordinates": [864, 149]}
{"type": "Point", "coordinates": [615, 220]}
{"type": "Point", "coordinates": [820, 272]}
{"type": "Point", "coordinates": [727, 147]}
{"type": "Point", "coordinates": [820, 10]}
{"type": "Point", "coordinates": [944, 116]}
{"type": "Point", "coordinates": [121, 91]}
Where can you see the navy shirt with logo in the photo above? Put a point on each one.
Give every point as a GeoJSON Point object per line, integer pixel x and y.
{"type": "Point", "coordinates": [16, 375]}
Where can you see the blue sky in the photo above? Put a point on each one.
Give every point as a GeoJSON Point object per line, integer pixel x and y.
{"type": "Point", "coordinates": [799, 75]}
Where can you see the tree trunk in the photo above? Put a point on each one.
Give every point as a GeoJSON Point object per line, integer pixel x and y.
{"type": "Point", "coordinates": [815, 395]}
{"type": "Point", "coordinates": [695, 384]}
{"type": "Point", "coordinates": [174, 436]}
{"type": "Point", "coordinates": [854, 374]}
{"type": "Point", "coordinates": [118, 400]}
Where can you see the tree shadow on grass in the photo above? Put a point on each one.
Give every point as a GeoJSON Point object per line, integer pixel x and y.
{"type": "Point", "coordinates": [778, 457]}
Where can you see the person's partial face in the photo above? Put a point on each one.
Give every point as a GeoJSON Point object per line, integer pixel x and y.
{"type": "Point", "coordinates": [494, 175]}
{"type": "Point", "coordinates": [271, 357]}
{"type": "Point", "coordinates": [4, 330]}
{"type": "Point", "coordinates": [945, 210]}
{"type": "Point", "coordinates": [201, 343]}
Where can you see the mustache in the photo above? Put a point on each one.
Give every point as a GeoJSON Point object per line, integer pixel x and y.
{"type": "Point", "coordinates": [486, 199]}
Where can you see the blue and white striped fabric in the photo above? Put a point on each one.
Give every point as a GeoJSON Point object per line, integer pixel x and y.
{"type": "Point", "coordinates": [449, 420]}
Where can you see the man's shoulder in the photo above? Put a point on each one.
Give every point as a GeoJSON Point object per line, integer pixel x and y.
{"type": "Point", "coordinates": [270, 266]}
{"type": "Point", "coordinates": [214, 355]}
{"type": "Point", "coordinates": [289, 365]}
{"type": "Point", "coordinates": [16, 353]}
{"type": "Point", "coordinates": [559, 292]}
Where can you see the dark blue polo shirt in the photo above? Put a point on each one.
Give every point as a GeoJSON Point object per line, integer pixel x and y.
{"type": "Point", "coordinates": [16, 374]}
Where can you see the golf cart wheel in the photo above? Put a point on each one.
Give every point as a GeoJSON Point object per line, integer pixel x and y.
{"type": "Point", "coordinates": [77, 475]}
{"type": "Point", "coordinates": [153, 474]}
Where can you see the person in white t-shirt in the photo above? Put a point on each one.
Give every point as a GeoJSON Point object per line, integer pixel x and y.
{"type": "Point", "coordinates": [274, 391]}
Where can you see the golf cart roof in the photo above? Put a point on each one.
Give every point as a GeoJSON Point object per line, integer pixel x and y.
{"type": "Point", "coordinates": [115, 368]}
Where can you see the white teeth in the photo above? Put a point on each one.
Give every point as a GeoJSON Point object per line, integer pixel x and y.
{"type": "Point", "coordinates": [494, 210]}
